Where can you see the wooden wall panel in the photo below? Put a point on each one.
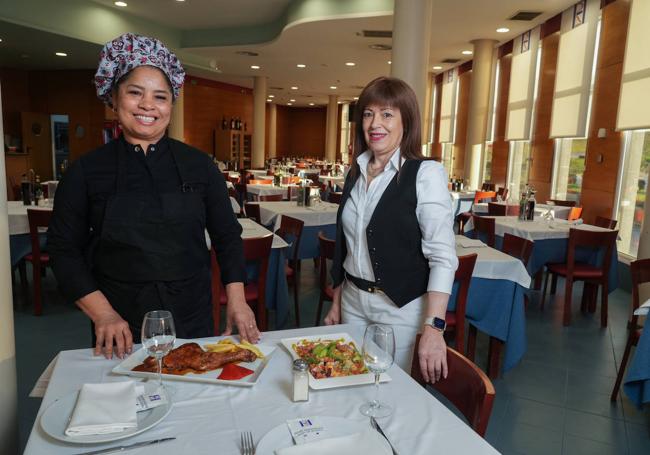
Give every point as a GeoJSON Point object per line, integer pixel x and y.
{"type": "Point", "coordinates": [464, 84]}
{"type": "Point", "coordinates": [600, 178]}
{"type": "Point", "coordinates": [500, 147]}
{"type": "Point", "coordinates": [541, 170]}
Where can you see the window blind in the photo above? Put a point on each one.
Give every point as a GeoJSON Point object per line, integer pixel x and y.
{"type": "Point", "coordinates": [448, 105]}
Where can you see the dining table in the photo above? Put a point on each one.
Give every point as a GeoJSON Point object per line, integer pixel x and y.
{"type": "Point", "coordinates": [19, 240]}
{"type": "Point", "coordinates": [461, 201]}
{"type": "Point", "coordinates": [558, 211]}
{"type": "Point", "coordinates": [210, 418]}
{"type": "Point", "coordinates": [332, 180]}
{"type": "Point", "coordinates": [256, 190]}
{"type": "Point", "coordinates": [637, 378]}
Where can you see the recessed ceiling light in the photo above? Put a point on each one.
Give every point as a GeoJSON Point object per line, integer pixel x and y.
{"type": "Point", "coordinates": [350, 64]}
{"type": "Point", "coordinates": [466, 52]}
{"type": "Point", "coordinates": [271, 96]}
{"type": "Point", "coordinates": [301, 65]}
{"type": "Point", "coordinates": [289, 104]}
{"type": "Point", "coordinates": [180, 0]}
{"type": "Point", "coordinates": [268, 101]}
{"type": "Point", "coordinates": [61, 54]}
{"type": "Point", "coordinates": [503, 30]}
{"type": "Point", "coordinates": [389, 62]}
{"type": "Point", "coordinates": [355, 98]}
{"type": "Point", "coordinates": [292, 100]}
{"type": "Point", "coordinates": [339, 102]}
{"type": "Point", "coordinates": [122, 4]}
{"type": "Point", "coordinates": [437, 67]}
{"type": "Point", "coordinates": [333, 87]}
{"type": "Point", "coordinates": [255, 67]}
{"type": "Point", "coordinates": [0, 40]}
{"type": "Point", "coordinates": [294, 88]}
{"type": "Point", "coordinates": [311, 104]}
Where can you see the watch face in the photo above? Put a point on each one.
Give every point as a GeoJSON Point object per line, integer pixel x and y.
{"type": "Point", "coordinates": [439, 324]}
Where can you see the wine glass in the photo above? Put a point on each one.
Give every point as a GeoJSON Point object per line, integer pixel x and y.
{"type": "Point", "coordinates": [378, 354]}
{"type": "Point", "coordinates": [158, 336]}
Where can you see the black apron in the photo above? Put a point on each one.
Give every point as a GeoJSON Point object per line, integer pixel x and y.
{"type": "Point", "coordinates": [151, 253]}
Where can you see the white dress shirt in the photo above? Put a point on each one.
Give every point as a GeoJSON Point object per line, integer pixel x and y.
{"type": "Point", "coordinates": [433, 212]}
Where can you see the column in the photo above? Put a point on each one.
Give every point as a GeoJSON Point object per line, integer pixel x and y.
{"type": "Point", "coordinates": [273, 130]}
{"type": "Point", "coordinates": [259, 120]}
{"type": "Point", "coordinates": [478, 111]}
{"type": "Point", "coordinates": [345, 132]}
{"type": "Point", "coordinates": [8, 391]}
{"type": "Point", "coordinates": [177, 124]}
{"type": "Point", "coordinates": [330, 128]}
{"type": "Point", "coordinates": [411, 40]}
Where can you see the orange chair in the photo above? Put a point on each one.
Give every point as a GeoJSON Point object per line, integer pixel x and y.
{"type": "Point", "coordinates": [291, 231]}
{"type": "Point", "coordinates": [260, 182]}
{"type": "Point", "coordinates": [252, 211]}
{"type": "Point", "coordinates": [39, 259]}
{"type": "Point", "coordinates": [466, 387]}
{"type": "Point", "coordinates": [580, 271]}
{"type": "Point", "coordinates": [479, 196]}
{"type": "Point", "coordinates": [640, 271]}
{"type": "Point", "coordinates": [326, 291]}
{"type": "Point", "coordinates": [575, 213]}
{"type": "Point", "coordinates": [271, 197]}
{"type": "Point", "coordinates": [486, 226]}
{"type": "Point", "coordinates": [456, 319]}
{"type": "Point", "coordinates": [258, 250]}
{"type": "Point", "coordinates": [606, 223]}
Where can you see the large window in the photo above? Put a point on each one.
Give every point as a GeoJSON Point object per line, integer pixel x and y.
{"type": "Point", "coordinates": [487, 162]}
{"type": "Point", "coordinates": [632, 190]}
{"type": "Point", "coordinates": [569, 167]}
{"type": "Point", "coordinates": [518, 167]}
{"type": "Point", "coordinates": [448, 157]}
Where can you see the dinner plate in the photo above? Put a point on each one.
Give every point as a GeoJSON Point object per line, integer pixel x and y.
{"type": "Point", "coordinates": [279, 437]}
{"type": "Point", "coordinates": [56, 417]}
{"type": "Point", "coordinates": [210, 377]}
{"type": "Point", "coordinates": [330, 383]}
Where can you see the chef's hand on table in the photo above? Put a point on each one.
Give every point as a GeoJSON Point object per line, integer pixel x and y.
{"type": "Point", "coordinates": [334, 314]}
{"type": "Point", "coordinates": [112, 332]}
{"type": "Point", "coordinates": [239, 313]}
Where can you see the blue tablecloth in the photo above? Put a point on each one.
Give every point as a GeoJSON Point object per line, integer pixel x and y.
{"type": "Point", "coordinates": [277, 291]}
{"type": "Point", "coordinates": [20, 245]}
{"type": "Point", "coordinates": [309, 247]}
{"type": "Point", "coordinates": [496, 307]}
{"type": "Point", "coordinates": [637, 381]}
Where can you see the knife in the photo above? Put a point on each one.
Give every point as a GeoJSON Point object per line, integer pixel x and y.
{"type": "Point", "coordinates": [129, 447]}
{"type": "Point", "coordinates": [375, 425]}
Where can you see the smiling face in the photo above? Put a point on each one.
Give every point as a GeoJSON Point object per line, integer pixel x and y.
{"type": "Point", "coordinates": [143, 102]}
{"type": "Point", "coordinates": [382, 128]}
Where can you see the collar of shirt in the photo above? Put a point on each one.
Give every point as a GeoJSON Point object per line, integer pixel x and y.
{"type": "Point", "coordinates": [393, 163]}
{"type": "Point", "coordinates": [154, 151]}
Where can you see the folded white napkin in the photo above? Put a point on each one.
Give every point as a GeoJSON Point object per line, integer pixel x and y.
{"type": "Point", "coordinates": [103, 409]}
{"type": "Point", "coordinates": [466, 242]}
{"type": "Point", "coordinates": [643, 309]}
{"type": "Point", "coordinates": [368, 441]}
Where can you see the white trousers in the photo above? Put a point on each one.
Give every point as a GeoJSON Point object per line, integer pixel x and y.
{"type": "Point", "coordinates": [363, 308]}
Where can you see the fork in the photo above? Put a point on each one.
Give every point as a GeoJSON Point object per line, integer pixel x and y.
{"type": "Point", "coordinates": [247, 446]}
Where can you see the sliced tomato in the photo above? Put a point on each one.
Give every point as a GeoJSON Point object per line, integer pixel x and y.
{"type": "Point", "coordinates": [233, 372]}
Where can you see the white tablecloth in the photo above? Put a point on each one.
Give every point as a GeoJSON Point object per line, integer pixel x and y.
{"type": "Point", "coordinates": [495, 265]}
{"type": "Point", "coordinates": [18, 222]}
{"type": "Point", "coordinates": [266, 190]}
{"type": "Point", "coordinates": [208, 419]}
{"type": "Point", "coordinates": [340, 180]}
{"type": "Point", "coordinates": [318, 215]}
{"type": "Point", "coordinates": [558, 211]}
{"type": "Point", "coordinates": [251, 230]}
{"type": "Point", "coordinates": [461, 201]}
{"type": "Point", "coordinates": [259, 173]}
{"type": "Point", "coordinates": [535, 230]}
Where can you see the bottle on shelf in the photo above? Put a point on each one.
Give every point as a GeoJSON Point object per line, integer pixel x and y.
{"type": "Point", "coordinates": [224, 123]}
{"type": "Point", "coordinates": [232, 123]}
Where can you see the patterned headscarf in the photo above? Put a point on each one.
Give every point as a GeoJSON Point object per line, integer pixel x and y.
{"type": "Point", "coordinates": [129, 51]}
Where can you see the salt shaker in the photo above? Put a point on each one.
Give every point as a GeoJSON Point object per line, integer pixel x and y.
{"type": "Point", "coordinates": [300, 380]}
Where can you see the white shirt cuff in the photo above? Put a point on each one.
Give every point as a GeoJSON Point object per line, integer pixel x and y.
{"type": "Point", "coordinates": [441, 280]}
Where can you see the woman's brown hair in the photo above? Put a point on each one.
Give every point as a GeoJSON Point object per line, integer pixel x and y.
{"type": "Point", "coordinates": [393, 92]}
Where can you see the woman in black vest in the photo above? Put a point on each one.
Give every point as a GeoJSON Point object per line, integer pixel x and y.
{"type": "Point", "coordinates": [395, 252]}
{"type": "Point", "coordinates": [128, 230]}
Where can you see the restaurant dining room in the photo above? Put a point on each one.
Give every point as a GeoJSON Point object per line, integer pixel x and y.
{"type": "Point", "coordinates": [290, 227]}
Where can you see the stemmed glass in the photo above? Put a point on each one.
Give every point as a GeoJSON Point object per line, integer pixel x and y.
{"type": "Point", "coordinates": [378, 354]}
{"type": "Point", "coordinates": [158, 336]}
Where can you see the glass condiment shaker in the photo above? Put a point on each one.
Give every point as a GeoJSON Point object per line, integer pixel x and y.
{"type": "Point", "coordinates": [300, 380]}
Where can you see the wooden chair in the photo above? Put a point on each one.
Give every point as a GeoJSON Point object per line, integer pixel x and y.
{"type": "Point", "coordinates": [271, 197]}
{"type": "Point", "coordinates": [503, 192]}
{"type": "Point", "coordinates": [326, 291]}
{"type": "Point", "coordinates": [574, 270]}
{"type": "Point", "coordinates": [291, 231]}
{"type": "Point", "coordinates": [260, 182]}
{"type": "Point", "coordinates": [252, 211]}
{"type": "Point", "coordinates": [335, 197]}
{"type": "Point", "coordinates": [497, 209]}
{"type": "Point", "coordinates": [606, 223]}
{"type": "Point", "coordinates": [563, 203]}
{"type": "Point", "coordinates": [479, 196]}
{"type": "Point", "coordinates": [575, 213]}
{"type": "Point", "coordinates": [257, 249]}
{"type": "Point", "coordinates": [483, 225]}
{"type": "Point", "coordinates": [456, 319]}
{"type": "Point", "coordinates": [519, 248]}
{"type": "Point", "coordinates": [466, 387]}
{"type": "Point", "coordinates": [242, 190]}
{"type": "Point", "coordinates": [39, 259]}
{"type": "Point", "coordinates": [640, 271]}
{"type": "Point", "coordinates": [487, 186]}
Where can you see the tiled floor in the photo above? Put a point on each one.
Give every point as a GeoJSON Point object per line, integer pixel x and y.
{"type": "Point", "coordinates": [556, 401]}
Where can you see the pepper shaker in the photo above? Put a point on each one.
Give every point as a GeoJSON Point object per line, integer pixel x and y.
{"type": "Point", "coordinates": [300, 380]}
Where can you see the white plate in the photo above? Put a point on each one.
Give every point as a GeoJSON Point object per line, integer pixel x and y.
{"type": "Point", "coordinates": [280, 437]}
{"type": "Point", "coordinates": [210, 377]}
{"type": "Point", "coordinates": [330, 383]}
{"type": "Point", "coordinates": [55, 420]}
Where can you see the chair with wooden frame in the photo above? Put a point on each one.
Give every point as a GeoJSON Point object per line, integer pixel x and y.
{"type": "Point", "coordinates": [257, 249]}
{"type": "Point", "coordinates": [519, 248]}
{"type": "Point", "coordinates": [466, 387]}
{"type": "Point", "coordinates": [640, 271]}
{"type": "Point", "coordinates": [39, 259]}
{"type": "Point", "coordinates": [606, 223]}
{"type": "Point", "coordinates": [575, 213]}
{"type": "Point", "coordinates": [487, 186]}
{"type": "Point", "coordinates": [484, 225]}
{"type": "Point", "coordinates": [573, 270]}
{"type": "Point", "coordinates": [291, 232]}
{"type": "Point", "coordinates": [479, 196]}
{"type": "Point", "coordinates": [260, 182]}
{"type": "Point", "coordinates": [563, 203]}
{"type": "Point", "coordinates": [270, 197]}
{"type": "Point", "coordinates": [456, 319]}
{"type": "Point", "coordinates": [502, 192]}
{"type": "Point", "coordinates": [500, 209]}
{"type": "Point", "coordinates": [252, 210]}
{"type": "Point", "coordinates": [335, 197]}
{"type": "Point", "coordinates": [242, 190]}
{"type": "Point", "coordinates": [326, 292]}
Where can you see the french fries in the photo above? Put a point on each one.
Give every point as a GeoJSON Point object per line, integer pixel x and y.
{"type": "Point", "coordinates": [228, 345]}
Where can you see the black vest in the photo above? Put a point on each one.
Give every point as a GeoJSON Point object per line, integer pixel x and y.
{"type": "Point", "coordinates": [394, 238]}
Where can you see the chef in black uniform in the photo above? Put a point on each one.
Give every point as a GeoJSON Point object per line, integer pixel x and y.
{"type": "Point", "coordinates": [127, 234]}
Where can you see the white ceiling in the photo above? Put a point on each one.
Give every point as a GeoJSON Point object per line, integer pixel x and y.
{"type": "Point", "coordinates": [323, 45]}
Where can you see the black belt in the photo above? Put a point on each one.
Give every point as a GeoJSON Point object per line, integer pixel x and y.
{"type": "Point", "coordinates": [364, 285]}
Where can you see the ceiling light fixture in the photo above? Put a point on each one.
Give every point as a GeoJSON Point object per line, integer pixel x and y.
{"type": "Point", "coordinates": [268, 101]}
{"type": "Point", "coordinates": [301, 65]}
{"type": "Point", "coordinates": [292, 100]}
{"type": "Point", "coordinates": [311, 104]}
{"type": "Point", "coordinates": [333, 87]}
{"type": "Point", "coordinates": [271, 96]}
{"type": "Point", "coordinates": [503, 30]}
{"type": "Point", "coordinates": [355, 98]}
{"type": "Point", "coordinates": [389, 62]}
{"type": "Point", "coordinates": [466, 52]}
{"type": "Point", "coordinates": [61, 54]}
{"type": "Point", "coordinates": [350, 63]}
{"type": "Point", "coordinates": [289, 104]}
{"type": "Point", "coordinates": [294, 88]}
{"type": "Point", "coordinates": [122, 4]}
{"type": "Point", "coordinates": [0, 40]}
{"type": "Point", "coordinates": [437, 67]}
{"type": "Point", "coordinates": [255, 67]}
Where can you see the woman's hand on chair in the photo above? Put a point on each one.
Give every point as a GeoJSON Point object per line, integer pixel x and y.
{"type": "Point", "coordinates": [432, 354]}
{"type": "Point", "coordinates": [334, 314]}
